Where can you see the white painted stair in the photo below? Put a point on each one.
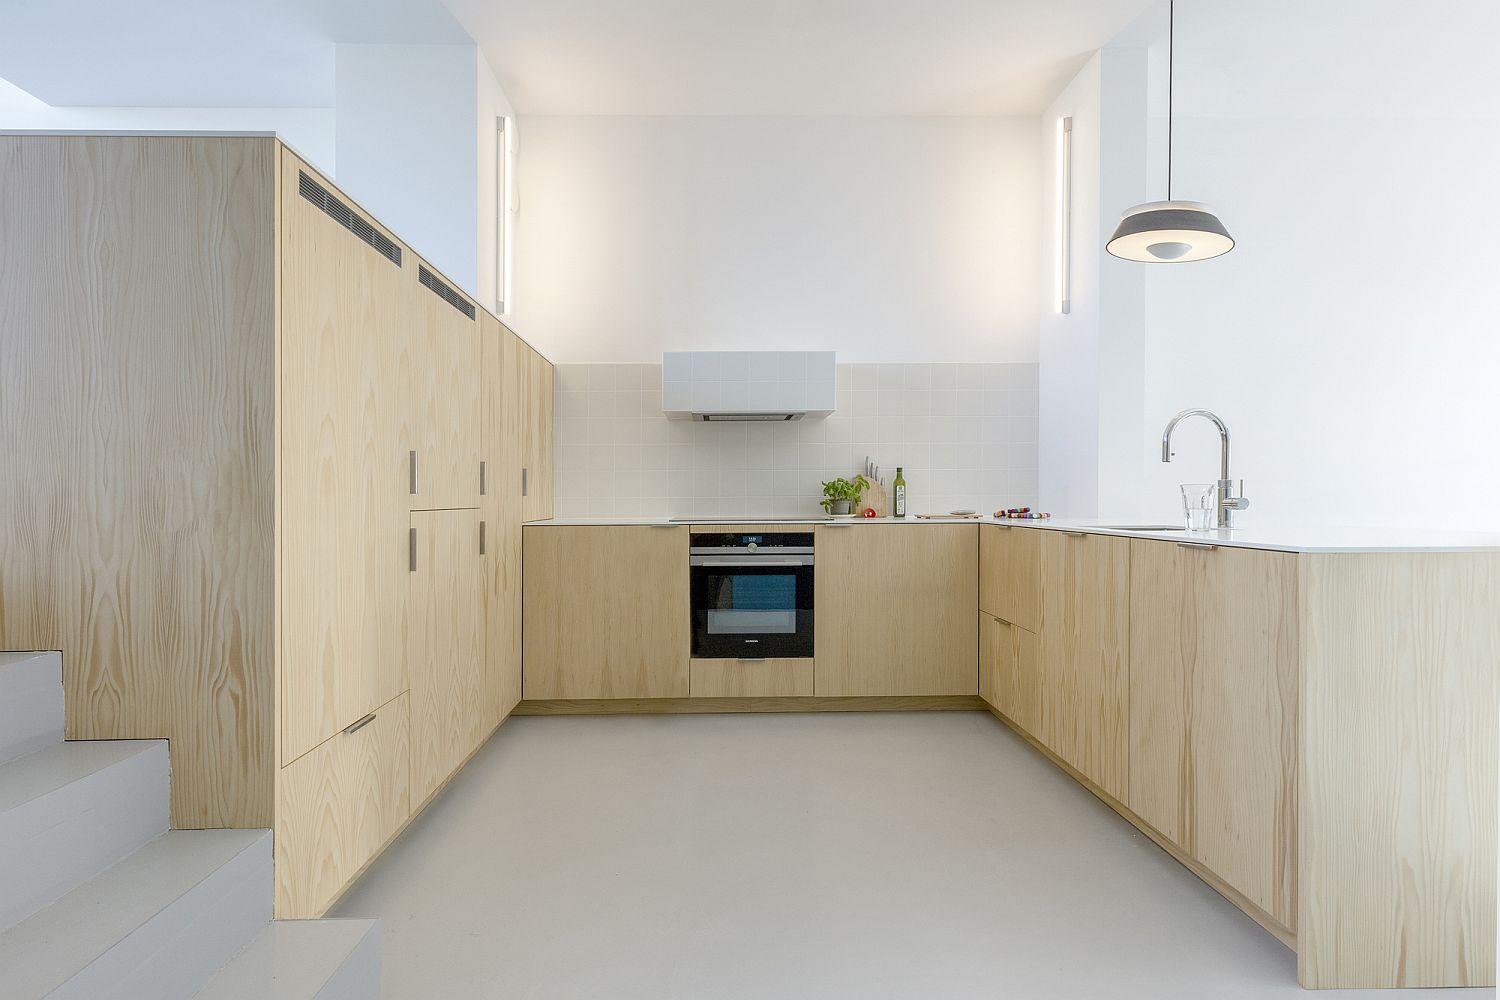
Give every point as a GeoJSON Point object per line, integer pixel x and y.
{"type": "Point", "coordinates": [100, 901]}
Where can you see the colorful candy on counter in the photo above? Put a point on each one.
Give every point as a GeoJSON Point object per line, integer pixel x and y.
{"type": "Point", "coordinates": [1021, 514]}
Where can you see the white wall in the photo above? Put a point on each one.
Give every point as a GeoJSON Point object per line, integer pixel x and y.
{"type": "Point", "coordinates": [964, 434]}
{"type": "Point", "coordinates": [1351, 340]}
{"type": "Point", "coordinates": [310, 130]}
{"type": "Point", "coordinates": [886, 239]}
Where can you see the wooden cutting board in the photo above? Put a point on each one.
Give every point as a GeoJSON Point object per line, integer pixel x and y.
{"type": "Point", "coordinates": [873, 496]}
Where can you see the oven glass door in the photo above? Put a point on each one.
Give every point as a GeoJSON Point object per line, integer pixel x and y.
{"type": "Point", "coordinates": [752, 611]}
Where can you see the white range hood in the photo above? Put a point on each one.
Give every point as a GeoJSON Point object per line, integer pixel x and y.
{"type": "Point", "coordinates": [747, 385]}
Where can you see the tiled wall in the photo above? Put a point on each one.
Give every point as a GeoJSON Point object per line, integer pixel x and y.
{"type": "Point", "coordinates": [965, 434]}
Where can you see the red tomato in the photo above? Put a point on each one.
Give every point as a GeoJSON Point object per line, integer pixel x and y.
{"type": "Point", "coordinates": [869, 512]}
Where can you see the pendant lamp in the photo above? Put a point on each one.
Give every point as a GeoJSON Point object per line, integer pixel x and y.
{"type": "Point", "coordinates": [1169, 232]}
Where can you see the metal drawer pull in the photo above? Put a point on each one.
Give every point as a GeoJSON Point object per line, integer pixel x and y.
{"type": "Point", "coordinates": [1076, 534]}
{"type": "Point", "coordinates": [484, 479]}
{"type": "Point", "coordinates": [481, 538]}
{"type": "Point", "coordinates": [411, 550]}
{"type": "Point", "coordinates": [525, 481]}
{"type": "Point", "coordinates": [664, 524]}
{"type": "Point", "coordinates": [362, 723]}
{"type": "Point", "coordinates": [1196, 545]}
{"type": "Point", "coordinates": [751, 659]}
{"type": "Point", "coordinates": [412, 458]}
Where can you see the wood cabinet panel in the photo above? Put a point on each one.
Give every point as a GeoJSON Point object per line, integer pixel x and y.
{"type": "Point", "coordinates": [768, 678]}
{"type": "Point", "coordinates": [537, 415]}
{"type": "Point", "coordinates": [606, 612]}
{"type": "Point", "coordinates": [503, 393]}
{"type": "Point", "coordinates": [336, 806]}
{"type": "Point", "coordinates": [1084, 654]}
{"type": "Point", "coordinates": [894, 610]}
{"type": "Point", "coordinates": [1213, 711]}
{"type": "Point", "coordinates": [1010, 580]}
{"type": "Point", "coordinates": [1010, 671]}
{"type": "Point", "coordinates": [1396, 814]}
{"type": "Point", "coordinates": [442, 396]}
{"type": "Point", "coordinates": [342, 474]}
{"type": "Point", "coordinates": [449, 707]}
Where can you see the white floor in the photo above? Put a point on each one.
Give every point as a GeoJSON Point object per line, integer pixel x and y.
{"type": "Point", "coordinates": [788, 856]}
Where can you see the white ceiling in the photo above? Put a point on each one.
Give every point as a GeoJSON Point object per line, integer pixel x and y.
{"type": "Point", "coordinates": [199, 53]}
{"type": "Point", "coordinates": [777, 57]}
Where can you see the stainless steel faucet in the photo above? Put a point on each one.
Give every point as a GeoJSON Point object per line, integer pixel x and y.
{"type": "Point", "coordinates": [1229, 501]}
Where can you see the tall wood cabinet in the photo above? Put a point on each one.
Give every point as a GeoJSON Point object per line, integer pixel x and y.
{"type": "Point", "coordinates": [536, 457]}
{"type": "Point", "coordinates": [262, 468]}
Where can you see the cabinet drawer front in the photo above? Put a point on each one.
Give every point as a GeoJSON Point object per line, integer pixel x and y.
{"type": "Point", "coordinates": [1010, 579]}
{"type": "Point", "coordinates": [337, 805]}
{"type": "Point", "coordinates": [769, 678]}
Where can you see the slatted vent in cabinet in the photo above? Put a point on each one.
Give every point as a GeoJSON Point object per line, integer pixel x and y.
{"type": "Point", "coordinates": [442, 291]}
{"type": "Point", "coordinates": [347, 217]}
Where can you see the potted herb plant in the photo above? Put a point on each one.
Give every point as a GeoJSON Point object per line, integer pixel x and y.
{"type": "Point", "coordinates": [840, 495]}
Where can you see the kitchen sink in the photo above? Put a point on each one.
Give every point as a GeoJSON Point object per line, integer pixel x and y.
{"type": "Point", "coordinates": [1142, 527]}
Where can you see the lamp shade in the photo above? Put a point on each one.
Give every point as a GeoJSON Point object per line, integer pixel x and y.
{"type": "Point", "coordinates": [1169, 232]}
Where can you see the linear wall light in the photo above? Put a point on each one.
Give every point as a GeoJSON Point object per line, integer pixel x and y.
{"type": "Point", "coordinates": [1064, 215]}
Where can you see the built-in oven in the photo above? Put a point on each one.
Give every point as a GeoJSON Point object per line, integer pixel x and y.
{"type": "Point", "coordinates": [752, 594]}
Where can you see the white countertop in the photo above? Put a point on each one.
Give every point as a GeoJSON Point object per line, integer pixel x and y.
{"type": "Point", "coordinates": [1414, 536]}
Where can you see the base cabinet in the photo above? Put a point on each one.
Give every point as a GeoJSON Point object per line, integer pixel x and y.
{"type": "Point", "coordinates": [606, 612]}
{"type": "Point", "coordinates": [1213, 711]}
{"type": "Point", "coordinates": [894, 610]}
{"type": "Point", "coordinates": [337, 805]}
{"type": "Point", "coordinates": [1084, 645]}
{"type": "Point", "coordinates": [1010, 671]}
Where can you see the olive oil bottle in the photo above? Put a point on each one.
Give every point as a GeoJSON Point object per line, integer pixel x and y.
{"type": "Point", "coordinates": [898, 501]}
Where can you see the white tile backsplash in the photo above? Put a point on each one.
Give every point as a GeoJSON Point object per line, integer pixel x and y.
{"type": "Point", "coordinates": [966, 436]}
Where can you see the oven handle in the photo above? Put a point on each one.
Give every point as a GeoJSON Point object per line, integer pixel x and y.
{"type": "Point", "coordinates": [748, 561]}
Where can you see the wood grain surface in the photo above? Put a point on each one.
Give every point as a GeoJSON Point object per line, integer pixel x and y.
{"type": "Point", "coordinates": [503, 391]}
{"type": "Point", "coordinates": [137, 400]}
{"type": "Point", "coordinates": [537, 416]}
{"type": "Point", "coordinates": [1213, 711]}
{"type": "Point", "coordinates": [769, 678]}
{"type": "Point", "coordinates": [337, 806]}
{"type": "Point", "coordinates": [442, 396]}
{"type": "Point", "coordinates": [1398, 769]}
{"type": "Point", "coordinates": [1010, 574]}
{"type": "Point", "coordinates": [715, 706]}
{"type": "Point", "coordinates": [606, 612]}
{"type": "Point", "coordinates": [343, 474]}
{"type": "Point", "coordinates": [894, 610]}
{"type": "Point", "coordinates": [1085, 654]}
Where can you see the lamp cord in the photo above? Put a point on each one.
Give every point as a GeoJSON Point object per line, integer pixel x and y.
{"type": "Point", "coordinates": [1171, 45]}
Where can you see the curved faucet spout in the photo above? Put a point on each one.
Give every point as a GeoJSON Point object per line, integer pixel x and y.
{"type": "Point", "coordinates": [1166, 438]}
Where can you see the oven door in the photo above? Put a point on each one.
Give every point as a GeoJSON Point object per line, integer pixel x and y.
{"type": "Point", "coordinates": [752, 607]}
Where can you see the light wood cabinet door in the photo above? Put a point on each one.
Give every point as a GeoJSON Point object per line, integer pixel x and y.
{"type": "Point", "coordinates": [1085, 647]}
{"type": "Point", "coordinates": [606, 612]}
{"type": "Point", "coordinates": [894, 610]}
{"type": "Point", "coordinates": [537, 420]}
{"type": "Point", "coordinates": [449, 707]}
{"type": "Point", "coordinates": [443, 375]}
{"type": "Point", "coordinates": [1213, 711]}
{"type": "Point", "coordinates": [1010, 579]}
{"type": "Point", "coordinates": [1010, 671]}
{"type": "Point", "coordinates": [337, 806]}
{"type": "Point", "coordinates": [503, 381]}
{"type": "Point", "coordinates": [342, 473]}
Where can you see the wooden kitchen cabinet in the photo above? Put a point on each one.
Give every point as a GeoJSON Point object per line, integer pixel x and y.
{"type": "Point", "coordinates": [342, 472]}
{"type": "Point", "coordinates": [1085, 654]}
{"type": "Point", "coordinates": [606, 612]}
{"type": "Point", "coordinates": [894, 610]}
{"type": "Point", "coordinates": [537, 421]}
{"type": "Point", "coordinates": [1213, 711]}
{"type": "Point", "coordinates": [1010, 671]}
{"type": "Point", "coordinates": [1010, 584]}
{"type": "Point", "coordinates": [338, 805]}
{"type": "Point", "coordinates": [504, 383]}
{"type": "Point", "coordinates": [450, 710]}
{"type": "Point", "coordinates": [443, 391]}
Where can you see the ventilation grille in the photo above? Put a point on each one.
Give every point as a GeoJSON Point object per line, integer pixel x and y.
{"type": "Point", "coordinates": [347, 217]}
{"type": "Point", "coordinates": [445, 293]}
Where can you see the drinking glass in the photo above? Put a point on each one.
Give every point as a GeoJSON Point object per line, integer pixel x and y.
{"type": "Point", "coordinates": [1200, 506]}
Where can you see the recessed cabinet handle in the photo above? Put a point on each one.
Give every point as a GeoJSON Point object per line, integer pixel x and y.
{"type": "Point", "coordinates": [751, 659]}
{"type": "Point", "coordinates": [481, 538]}
{"type": "Point", "coordinates": [411, 550]}
{"type": "Point", "coordinates": [484, 479]}
{"type": "Point", "coordinates": [362, 723]}
{"type": "Point", "coordinates": [412, 459]}
{"type": "Point", "coordinates": [525, 484]}
{"type": "Point", "coordinates": [1076, 534]}
{"type": "Point", "coordinates": [1196, 545]}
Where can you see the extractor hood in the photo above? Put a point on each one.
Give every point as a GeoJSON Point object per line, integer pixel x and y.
{"type": "Point", "coordinates": [763, 386]}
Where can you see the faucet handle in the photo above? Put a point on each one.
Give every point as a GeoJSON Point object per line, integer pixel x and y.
{"type": "Point", "coordinates": [1235, 503]}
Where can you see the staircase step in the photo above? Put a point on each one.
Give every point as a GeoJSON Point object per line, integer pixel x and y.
{"type": "Point", "coordinates": [304, 960]}
{"type": "Point", "coordinates": [70, 810]}
{"type": "Point", "coordinates": [31, 703]}
{"type": "Point", "coordinates": [156, 926]}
